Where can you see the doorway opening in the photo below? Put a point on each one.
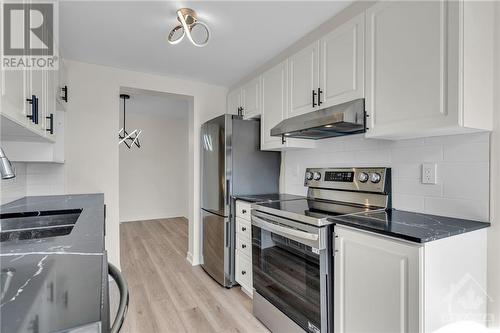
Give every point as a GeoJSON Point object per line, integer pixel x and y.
{"type": "Point", "coordinates": [151, 182]}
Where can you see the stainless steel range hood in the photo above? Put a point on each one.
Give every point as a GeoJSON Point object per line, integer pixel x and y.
{"type": "Point", "coordinates": [338, 120]}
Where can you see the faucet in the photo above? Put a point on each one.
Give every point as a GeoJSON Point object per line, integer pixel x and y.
{"type": "Point", "coordinates": [7, 171]}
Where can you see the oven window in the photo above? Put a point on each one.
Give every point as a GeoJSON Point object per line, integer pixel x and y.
{"type": "Point", "coordinates": [287, 274]}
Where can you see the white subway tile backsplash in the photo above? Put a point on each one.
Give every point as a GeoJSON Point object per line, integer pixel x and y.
{"type": "Point", "coordinates": [467, 209]}
{"type": "Point", "coordinates": [415, 187]}
{"type": "Point", "coordinates": [466, 152]}
{"type": "Point", "coordinates": [15, 188]}
{"type": "Point", "coordinates": [460, 158]}
{"type": "Point", "coordinates": [412, 203]}
{"type": "Point", "coordinates": [34, 179]}
{"type": "Point", "coordinates": [421, 154]}
{"type": "Point", "coordinates": [465, 180]}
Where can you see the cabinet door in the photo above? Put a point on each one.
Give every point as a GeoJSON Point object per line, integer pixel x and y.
{"type": "Point", "coordinates": [14, 94]}
{"type": "Point", "coordinates": [234, 101]}
{"type": "Point", "coordinates": [60, 83]}
{"type": "Point", "coordinates": [406, 67]}
{"type": "Point", "coordinates": [51, 78]}
{"type": "Point", "coordinates": [38, 86]}
{"type": "Point", "coordinates": [250, 94]}
{"type": "Point", "coordinates": [342, 63]}
{"type": "Point", "coordinates": [376, 283]}
{"type": "Point", "coordinates": [274, 104]}
{"type": "Point", "coordinates": [304, 79]}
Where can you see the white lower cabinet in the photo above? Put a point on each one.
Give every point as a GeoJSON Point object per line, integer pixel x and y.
{"type": "Point", "coordinates": [243, 252]}
{"type": "Point", "coordinates": [384, 285]}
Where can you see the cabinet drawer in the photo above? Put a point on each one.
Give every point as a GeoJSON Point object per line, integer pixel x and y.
{"type": "Point", "coordinates": [243, 210]}
{"type": "Point", "coordinates": [243, 228]}
{"type": "Point", "coordinates": [243, 270]}
{"type": "Point", "coordinates": [244, 245]}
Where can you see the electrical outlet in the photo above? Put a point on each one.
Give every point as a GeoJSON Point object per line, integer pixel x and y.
{"type": "Point", "coordinates": [429, 171]}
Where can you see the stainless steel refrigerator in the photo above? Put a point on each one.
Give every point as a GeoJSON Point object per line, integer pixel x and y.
{"type": "Point", "coordinates": [231, 164]}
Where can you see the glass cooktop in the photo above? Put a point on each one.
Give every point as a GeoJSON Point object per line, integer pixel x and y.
{"type": "Point", "coordinates": [310, 211]}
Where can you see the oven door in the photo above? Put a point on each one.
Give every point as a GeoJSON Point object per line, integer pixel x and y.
{"type": "Point", "coordinates": [291, 269]}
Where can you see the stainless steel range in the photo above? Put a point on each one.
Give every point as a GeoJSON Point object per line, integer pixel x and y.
{"type": "Point", "coordinates": [293, 242]}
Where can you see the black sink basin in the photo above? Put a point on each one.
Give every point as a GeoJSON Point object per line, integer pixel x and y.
{"type": "Point", "coordinates": [32, 225]}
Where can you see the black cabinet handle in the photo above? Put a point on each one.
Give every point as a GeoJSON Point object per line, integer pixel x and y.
{"type": "Point", "coordinates": [319, 96]}
{"type": "Point", "coordinates": [243, 246]}
{"type": "Point", "coordinates": [32, 102]}
{"type": "Point", "coordinates": [243, 272]}
{"type": "Point", "coordinates": [244, 211]}
{"type": "Point", "coordinates": [64, 95]}
{"type": "Point", "coordinates": [314, 98]}
{"type": "Point", "coordinates": [51, 124]}
{"type": "Point", "coordinates": [243, 229]}
{"type": "Point", "coordinates": [35, 115]}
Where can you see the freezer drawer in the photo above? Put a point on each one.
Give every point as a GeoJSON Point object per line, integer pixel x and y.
{"type": "Point", "coordinates": [216, 247]}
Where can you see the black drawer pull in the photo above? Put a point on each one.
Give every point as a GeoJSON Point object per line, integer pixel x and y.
{"type": "Point", "coordinates": [64, 95]}
{"type": "Point", "coordinates": [244, 211]}
{"type": "Point", "coordinates": [243, 272]}
{"type": "Point", "coordinates": [319, 96]}
{"type": "Point", "coordinates": [243, 229]}
{"type": "Point", "coordinates": [314, 98]}
{"type": "Point", "coordinates": [243, 246]}
{"type": "Point", "coordinates": [51, 124]}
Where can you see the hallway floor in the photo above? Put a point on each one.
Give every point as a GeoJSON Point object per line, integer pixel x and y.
{"type": "Point", "coordinates": [167, 294]}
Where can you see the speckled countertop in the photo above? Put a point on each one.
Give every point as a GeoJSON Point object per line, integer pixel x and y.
{"type": "Point", "coordinates": [415, 227]}
{"type": "Point", "coordinates": [55, 283]}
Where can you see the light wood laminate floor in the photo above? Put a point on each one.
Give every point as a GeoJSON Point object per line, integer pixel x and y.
{"type": "Point", "coordinates": [167, 294]}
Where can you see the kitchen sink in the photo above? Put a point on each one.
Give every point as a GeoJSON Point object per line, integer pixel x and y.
{"type": "Point", "coordinates": [40, 224]}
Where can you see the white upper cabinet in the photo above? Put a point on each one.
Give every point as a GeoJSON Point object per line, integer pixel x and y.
{"type": "Point", "coordinates": [275, 108]}
{"type": "Point", "coordinates": [234, 101]}
{"type": "Point", "coordinates": [304, 80]}
{"type": "Point", "coordinates": [342, 63]}
{"type": "Point", "coordinates": [429, 68]}
{"type": "Point", "coordinates": [14, 95]}
{"type": "Point", "coordinates": [251, 99]}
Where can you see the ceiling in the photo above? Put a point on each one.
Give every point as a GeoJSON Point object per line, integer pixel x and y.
{"type": "Point", "coordinates": [172, 106]}
{"type": "Point", "coordinates": [132, 35]}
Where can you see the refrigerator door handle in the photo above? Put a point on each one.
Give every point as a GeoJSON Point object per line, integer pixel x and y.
{"type": "Point", "coordinates": [227, 192]}
{"type": "Point", "coordinates": [226, 230]}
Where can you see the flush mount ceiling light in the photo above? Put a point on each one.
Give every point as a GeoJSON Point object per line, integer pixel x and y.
{"type": "Point", "coordinates": [129, 139]}
{"type": "Point", "coordinates": [189, 20]}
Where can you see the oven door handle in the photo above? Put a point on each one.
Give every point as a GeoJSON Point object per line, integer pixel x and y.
{"type": "Point", "coordinates": [284, 231]}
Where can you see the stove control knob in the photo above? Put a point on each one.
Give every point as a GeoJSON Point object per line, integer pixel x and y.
{"type": "Point", "coordinates": [363, 177]}
{"type": "Point", "coordinates": [375, 177]}
{"type": "Point", "coordinates": [309, 175]}
{"type": "Point", "coordinates": [317, 176]}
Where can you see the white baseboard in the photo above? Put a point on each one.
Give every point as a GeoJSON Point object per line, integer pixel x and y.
{"type": "Point", "coordinates": [192, 260]}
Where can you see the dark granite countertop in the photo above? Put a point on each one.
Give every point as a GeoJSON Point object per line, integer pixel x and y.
{"type": "Point", "coordinates": [415, 227]}
{"type": "Point", "coordinates": [55, 283]}
{"type": "Point", "coordinates": [259, 198]}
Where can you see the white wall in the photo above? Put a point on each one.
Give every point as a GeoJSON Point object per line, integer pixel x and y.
{"type": "Point", "coordinates": [92, 153]}
{"type": "Point", "coordinates": [458, 157]}
{"type": "Point", "coordinates": [153, 180]}
{"type": "Point", "coordinates": [494, 231]}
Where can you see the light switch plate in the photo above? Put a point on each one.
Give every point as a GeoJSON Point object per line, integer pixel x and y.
{"type": "Point", "coordinates": [429, 173]}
